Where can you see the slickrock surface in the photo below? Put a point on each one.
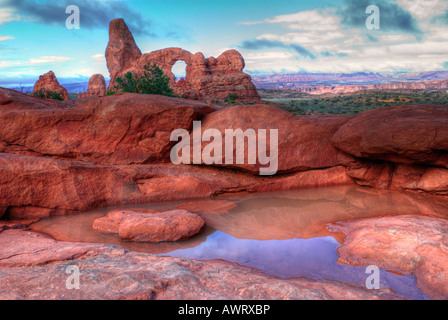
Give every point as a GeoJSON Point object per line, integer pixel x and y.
{"type": "Point", "coordinates": [33, 266]}
{"type": "Point", "coordinates": [412, 244]}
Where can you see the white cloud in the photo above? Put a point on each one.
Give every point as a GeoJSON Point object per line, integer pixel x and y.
{"type": "Point", "coordinates": [98, 56]}
{"type": "Point", "coordinates": [424, 9]}
{"type": "Point", "coordinates": [5, 38]}
{"type": "Point", "coordinates": [9, 63]}
{"type": "Point", "coordinates": [8, 15]}
{"type": "Point", "coordinates": [339, 49]}
{"type": "Point", "coordinates": [311, 20]}
{"type": "Point", "coordinates": [47, 59]}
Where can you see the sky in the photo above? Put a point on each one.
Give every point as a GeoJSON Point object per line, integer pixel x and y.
{"type": "Point", "coordinates": [274, 36]}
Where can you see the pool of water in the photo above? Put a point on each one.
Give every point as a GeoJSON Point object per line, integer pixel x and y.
{"type": "Point", "coordinates": [283, 233]}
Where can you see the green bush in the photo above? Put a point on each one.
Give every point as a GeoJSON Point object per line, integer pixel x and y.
{"type": "Point", "coordinates": [47, 94]}
{"type": "Point", "coordinates": [151, 81]}
{"type": "Point", "coordinates": [231, 98]}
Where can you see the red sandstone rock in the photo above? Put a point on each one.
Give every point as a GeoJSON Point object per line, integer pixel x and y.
{"type": "Point", "coordinates": [48, 82]}
{"type": "Point", "coordinates": [16, 224]}
{"type": "Point", "coordinates": [110, 272]}
{"type": "Point", "coordinates": [111, 222]}
{"type": "Point", "coordinates": [121, 50]}
{"type": "Point", "coordinates": [386, 175]}
{"type": "Point", "coordinates": [119, 129]}
{"type": "Point", "coordinates": [303, 143]}
{"type": "Point", "coordinates": [404, 134]}
{"type": "Point", "coordinates": [412, 244]}
{"type": "Point", "coordinates": [40, 187]}
{"type": "Point", "coordinates": [11, 100]}
{"type": "Point", "coordinates": [151, 226]}
{"type": "Point", "coordinates": [96, 87]}
{"type": "Point", "coordinates": [307, 179]}
{"type": "Point", "coordinates": [206, 79]}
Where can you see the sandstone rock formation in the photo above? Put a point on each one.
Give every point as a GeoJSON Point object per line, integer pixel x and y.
{"type": "Point", "coordinates": [404, 134]}
{"type": "Point", "coordinates": [28, 180]}
{"type": "Point", "coordinates": [401, 147]}
{"type": "Point", "coordinates": [119, 129]}
{"type": "Point", "coordinates": [206, 79]}
{"type": "Point", "coordinates": [412, 244]}
{"type": "Point", "coordinates": [303, 142]}
{"type": "Point", "coordinates": [150, 226]}
{"type": "Point", "coordinates": [96, 87]}
{"type": "Point", "coordinates": [33, 267]}
{"type": "Point", "coordinates": [48, 82]}
{"type": "Point", "coordinates": [121, 50]}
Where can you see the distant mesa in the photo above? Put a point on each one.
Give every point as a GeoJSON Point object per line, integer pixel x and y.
{"type": "Point", "coordinates": [48, 83]}
{"type": "Point", "coordinates": [207, 79]}
{"type": "Point", "coordinates": [96, 87]}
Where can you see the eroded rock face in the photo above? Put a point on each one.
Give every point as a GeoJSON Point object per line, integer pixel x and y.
{"type": "Point", "coordinates": [150, 226]}
{"type": "Point", "coordinates": [48, 82]}
{"type": "Point", "coordinates": [206, 79]}
{"type": "Point", "coordinates": [412, 244]}
{"type": "Point", "coordinates": [28, 181]}
{"type": "Point", "coordinates": [121, 50]}
{"type": "Point", "coordinates": [303, 142]}
{"type": "Point", "coordinates": [407, 134]}
{"type": "Point", "coordinates": [120, 129]}
{"type": "Point", "coordinates": [110, 272]}
{"type": "Point", "coordinates": [96, 87]}
{"type": "Point", "coordinates": [385, 175]}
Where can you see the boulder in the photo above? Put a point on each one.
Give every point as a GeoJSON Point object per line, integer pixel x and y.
{"type": "Point", "coordinates": [411, 134]}
{"type": "Point", "coordinates": [96, 87]}
{"type": "Point", "coordinates": [414, 245]}
{"type": "Point", "coordinates": [303, 142]}
{"type": "Point", "coordinates": [111, 222]}
{"type": "Point", "coordinates": [48, 82]}
{"type": "Point", "coordinates": [150, 226]}
{"type": "Point", "coordinates": [120, 129]}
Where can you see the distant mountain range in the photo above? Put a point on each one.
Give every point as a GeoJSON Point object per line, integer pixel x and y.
{"type": "Point", "coordinates": [302, 81]}
{"type": "Point", "coordinates": [322, 83]}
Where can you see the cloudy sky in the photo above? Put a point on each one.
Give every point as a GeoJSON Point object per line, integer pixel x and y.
{"type": "Point", "coordinates": [273, 35]}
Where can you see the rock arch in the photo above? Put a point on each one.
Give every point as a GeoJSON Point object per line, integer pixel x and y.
{"type": "Point", "coordinates": [207, 79]}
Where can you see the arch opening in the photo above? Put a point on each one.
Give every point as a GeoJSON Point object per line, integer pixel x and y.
{"type": "Point", "coordinates": [179, 70]}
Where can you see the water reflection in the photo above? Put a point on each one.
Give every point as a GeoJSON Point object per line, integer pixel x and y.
{"type": "Point", "coordinates": [282, 233]}
{"type": "Point", "coordinates": [313, 258]}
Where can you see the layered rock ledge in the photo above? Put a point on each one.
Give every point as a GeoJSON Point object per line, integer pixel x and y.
{"type": "Point", "coordinates": [33, 266]}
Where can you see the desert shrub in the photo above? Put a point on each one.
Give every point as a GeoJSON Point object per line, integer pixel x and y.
{"type": "Point", "coordinates": [231, 97]}
{"type": "Point", "coordinates": [47, 94]}
{"type": "Point", "coordinates": [151, 81]}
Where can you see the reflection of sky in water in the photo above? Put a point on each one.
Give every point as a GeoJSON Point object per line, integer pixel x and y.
{"type": "Point", "coordinates": [300, 216]}
{"type": "Point", "coordinates": [314, 258]}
